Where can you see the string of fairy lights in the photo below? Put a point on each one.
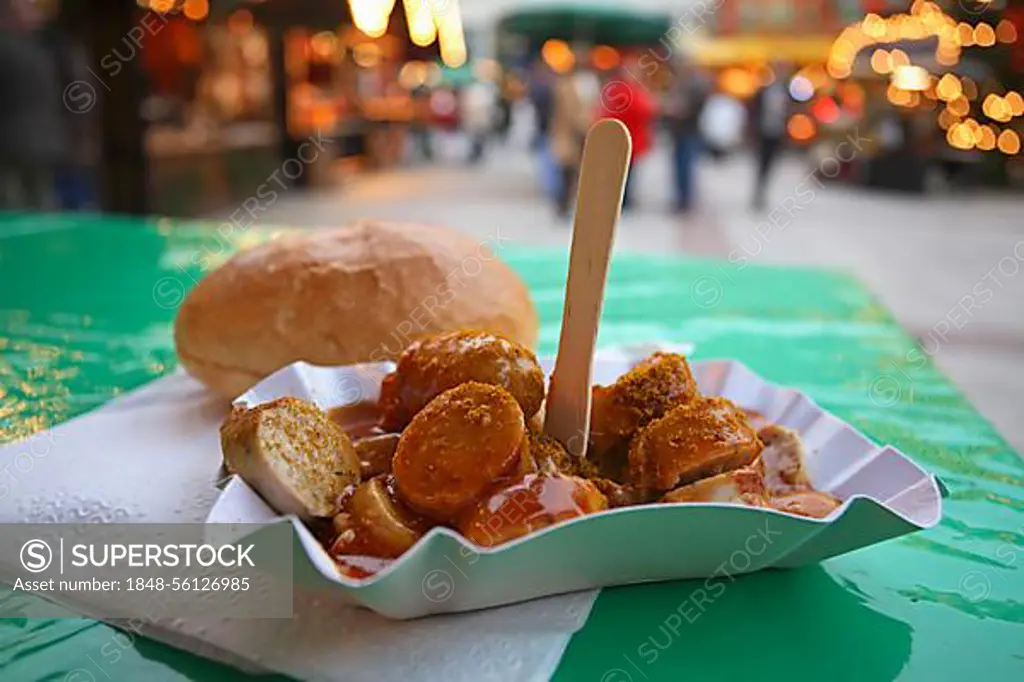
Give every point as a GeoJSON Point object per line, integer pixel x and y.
{"type": "Point", "coordinates": [428, 20]}
{"type": "Point", "coordinates": [956, 98]}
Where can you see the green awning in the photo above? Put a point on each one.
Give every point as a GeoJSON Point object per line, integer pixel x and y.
{"type": "Point", "coordinates": [597, 23]}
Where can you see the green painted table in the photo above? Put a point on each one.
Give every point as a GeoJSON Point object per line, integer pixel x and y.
{"type": "Point", "coordinates": [85, 313]}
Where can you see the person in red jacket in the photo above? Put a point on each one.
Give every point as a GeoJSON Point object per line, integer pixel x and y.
{"type": "Point", "coordinates": [625, 98]}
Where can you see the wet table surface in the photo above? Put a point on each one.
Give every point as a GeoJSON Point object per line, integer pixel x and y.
{"type": "Point", "coordinates": [86, 307]}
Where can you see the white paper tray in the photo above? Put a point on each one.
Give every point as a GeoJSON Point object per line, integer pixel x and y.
{"type": "Point", "coordinates": [884, 494]}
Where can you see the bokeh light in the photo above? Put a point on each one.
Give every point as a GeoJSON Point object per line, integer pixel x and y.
{"type": "Point", "coordinates": [959, 106]}
{"type": "Point", "coordinates": [826, 110]}
{"type": "Point", "coordinates": [985, 138]}
{"type": "Point", "coordinates": [801, 89]}
{"type": "Point", "coordinates": [881, 61]}
{"type": "Point", "coordinates": [422, 29]}
{"type": "Point", "coordinates": [412, 75]}
{"type": "Point", "coordinates": [558, 55]}
{"type": "Point", "coordinates": [196, 10]}
{"type": "Point", "coordinates": [960, 136]}
{"type": "Point", "coordinates": [371, 16]}
{"type": "Point", "coordinates": [1006, 32]}
{"type": "Point", "coordinates": [965, 34]}
{"type": "Point", "coordinates": [801, 128]}
{"type": "Point", "coordinates": [738, 82]}
{"type": "Point", "coordinates": [901, 98]}
{"type": "Point", "coordinates": [984, 35]}
{"type": "Point", "coordinates": [1015, 102]}
{"type": "Point", "coordinates": [948, 88]}
{"type": "Point", "coordinates": [1009, 142]}
{"type": "Point", "coordinates": [873, 25]}
{"type": "Point", "coordinates": [914, 78]}
{"type": "Point", "coordinates": [996, 108]}
{"type": "Point", "coordinates": [605, 57]}
{"type": "Point", "coordinates": [898, 58]}
{"type": "Point", "coordinates": [367, 55]}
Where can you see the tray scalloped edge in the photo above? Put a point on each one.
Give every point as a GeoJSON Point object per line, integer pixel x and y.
{"type": "Point", "coordinates": [885, 494]}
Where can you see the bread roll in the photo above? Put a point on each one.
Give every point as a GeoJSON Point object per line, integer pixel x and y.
{"type": "Point", "coordinates": [359, 293]}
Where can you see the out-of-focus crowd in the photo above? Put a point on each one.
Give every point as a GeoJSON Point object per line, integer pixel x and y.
{"type": "Point", "coordinates": [694, 115]}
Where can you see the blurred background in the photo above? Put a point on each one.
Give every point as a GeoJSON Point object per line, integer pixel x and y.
{"type": "Point", "coordinates": [882, 137]}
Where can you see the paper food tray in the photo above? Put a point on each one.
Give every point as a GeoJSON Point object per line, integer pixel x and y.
{"type": "Point", "coordinates": [884, 495]}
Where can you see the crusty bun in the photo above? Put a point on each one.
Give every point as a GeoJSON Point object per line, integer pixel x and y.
{"type": "Point", "coordinates": [359, 293]}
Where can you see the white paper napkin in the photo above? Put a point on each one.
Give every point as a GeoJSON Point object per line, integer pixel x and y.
{"type": "Point", "coordinates": [153, 456]}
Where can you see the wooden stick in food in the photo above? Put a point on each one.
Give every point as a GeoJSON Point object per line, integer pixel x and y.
{"type": "Point", "coordinates": [598, 204]}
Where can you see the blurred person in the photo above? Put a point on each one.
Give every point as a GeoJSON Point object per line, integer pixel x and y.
{"type": "Point", "coordinates": [684, 108]}
{"type": "Point", "coordinates": [419, 126]}
{"type": "Point", "coordinates": [588, 89]}
{"type": "Point", "coordinates": [722, 124]}
{"type": "Point", "coordinates": [444, 108]}
{"type": "Point", "coordinates": [503, 113]}
{"type": "Point", "coordinates": [477, 106]}
{"type": "Point", "coordinates": [74, 187]}
{"type": "Point", "coordinates": [541, 94]}
{"type": "Point", "coordinates": [33, 139]}
{"type": "Point", "coordinates": [568, 127]}
{"type": "Point", "coordinates": [588, 84]}
{"type": "Point", "coordinates": [770, 110]}
{"type": "Point", "coordinates": [626, 99]}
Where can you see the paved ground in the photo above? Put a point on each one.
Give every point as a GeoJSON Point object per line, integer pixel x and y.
{"type": "Point", "coordinates": [946, 265]}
